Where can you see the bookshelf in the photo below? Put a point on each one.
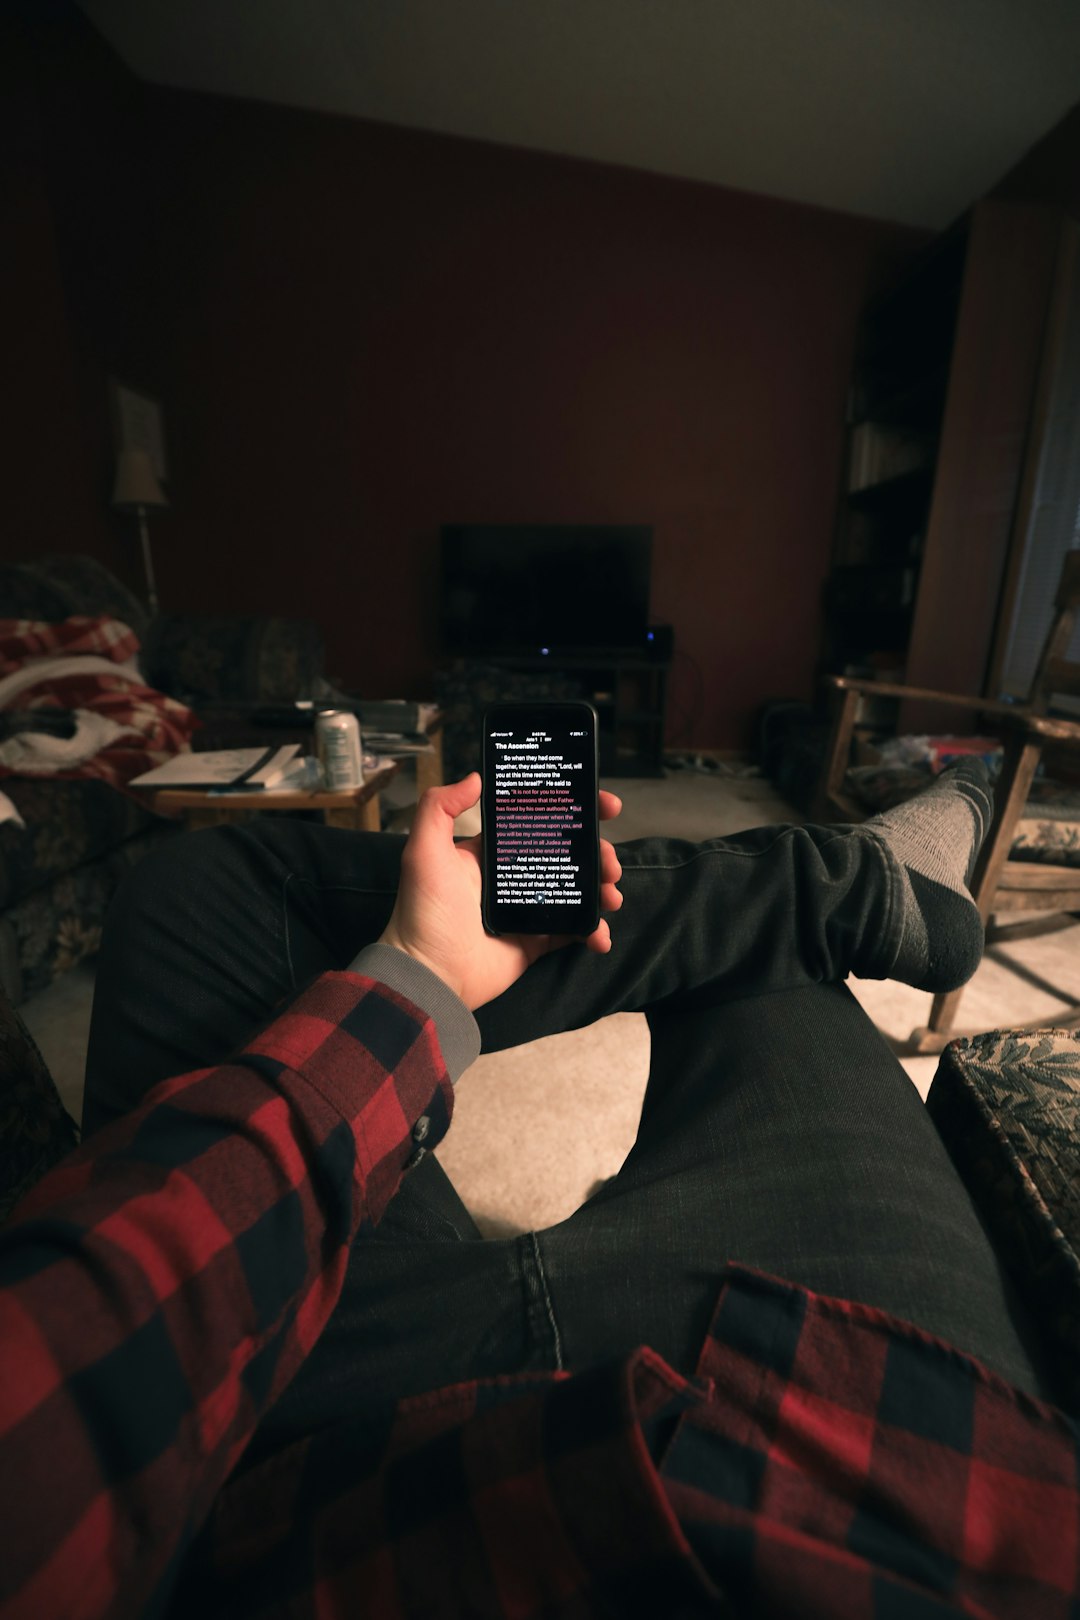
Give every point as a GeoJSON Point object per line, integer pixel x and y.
{"type": "Point", "coordinates": [938, 415]}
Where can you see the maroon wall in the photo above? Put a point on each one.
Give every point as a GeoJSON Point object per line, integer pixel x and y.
{"type": "Point", "coordinates": [359, 333]}
{"type": "Point", "coordinates": [78, 280]}
{"type": "Point", "coordinates": [46, 464]}
{"type": "Point", "coordinates": [378, 331]}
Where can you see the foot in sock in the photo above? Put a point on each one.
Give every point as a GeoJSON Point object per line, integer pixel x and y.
{"type": "Point", "coordinates": [933, 840]}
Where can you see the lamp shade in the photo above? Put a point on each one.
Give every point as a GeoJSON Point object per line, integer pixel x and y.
{"type": "Point", "coordinates": [136, 482]}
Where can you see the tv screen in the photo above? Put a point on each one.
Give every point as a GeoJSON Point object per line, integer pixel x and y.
{"type": "Point", "coordinates": [529, 589]}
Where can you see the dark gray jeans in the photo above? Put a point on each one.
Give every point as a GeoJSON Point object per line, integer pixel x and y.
{"type": "Point", "coordinates": [777, 1129]}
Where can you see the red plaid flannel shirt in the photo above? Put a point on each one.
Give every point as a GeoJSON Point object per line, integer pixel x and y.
{"type": "Point", "coordinates": [161, 1286]}
{"type": "Point", "coordinates": [157, 726]}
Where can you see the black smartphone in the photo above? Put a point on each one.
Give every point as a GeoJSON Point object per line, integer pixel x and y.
{"type": "Point", "coordinates": [541, 824]}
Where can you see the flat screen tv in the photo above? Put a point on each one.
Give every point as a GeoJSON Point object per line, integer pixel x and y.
{"type": "Point", "coordinates": [544, 589]}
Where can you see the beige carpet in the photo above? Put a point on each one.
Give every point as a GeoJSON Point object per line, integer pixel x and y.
{"type": "Point", "coordinates": [536, 1127]}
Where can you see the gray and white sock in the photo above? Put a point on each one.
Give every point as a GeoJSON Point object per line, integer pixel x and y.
{"type": "Point", "coordinates": [934, 840]}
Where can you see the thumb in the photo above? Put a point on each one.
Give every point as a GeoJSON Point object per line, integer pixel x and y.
{"type": "Point", "coordinates": [442, 803]}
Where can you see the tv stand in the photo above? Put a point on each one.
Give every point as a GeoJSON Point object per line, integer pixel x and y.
{"type": "Point", "coordinates": [628, 690]}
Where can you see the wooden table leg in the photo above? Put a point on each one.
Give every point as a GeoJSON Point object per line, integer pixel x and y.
{"type": "Point", "coordinates": [358, 808]}
{"type": "Point", "coordinates": [355, 817]}
{"type": "Point", "coordinates": [365, 817]}
{"type": "Point", "coordinates": [429, 767]}
{"type": "Point", "coordinates": [215, 817]}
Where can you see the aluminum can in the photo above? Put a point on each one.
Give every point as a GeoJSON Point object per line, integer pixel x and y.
{"type": "Point", "coordinates": [337, 744]}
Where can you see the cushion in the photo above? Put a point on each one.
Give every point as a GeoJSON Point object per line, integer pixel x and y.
{"type": "Point", "coordinates": [54, 928]}
{"type": "Point", "coordinates": [36, 1131]}
{"type": "Point", "coordinates": [1007, 1106]}
{"type": "Point", "coordinates": [53, 588]}
{"type": "Point", "coordinates": [1049, 825]}
{"type": "Point", "coordinates": [197, 658]}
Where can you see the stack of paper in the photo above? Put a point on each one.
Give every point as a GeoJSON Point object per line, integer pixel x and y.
{"type": "Point", "coordinates": [223, 770]}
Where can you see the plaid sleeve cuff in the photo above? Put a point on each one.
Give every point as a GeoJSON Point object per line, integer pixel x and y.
{"type": "Point", "coordinates": [459, 1036]}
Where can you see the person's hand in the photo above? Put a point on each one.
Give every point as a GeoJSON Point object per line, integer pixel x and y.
{"type": "Point", "coordinates": [437, 918]}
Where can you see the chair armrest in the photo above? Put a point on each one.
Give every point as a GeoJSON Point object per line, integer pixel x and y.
{"type": "Point", "coordinates": [1053, 727]}
{"type": "Point", "coordinates": [961, 700]}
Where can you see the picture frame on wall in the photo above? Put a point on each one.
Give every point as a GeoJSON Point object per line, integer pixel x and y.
{"type": "Point", "coordinates": [137, 424]}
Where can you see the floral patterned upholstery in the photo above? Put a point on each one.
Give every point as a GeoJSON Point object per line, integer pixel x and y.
{"type": "Point", "coordinates": [57, 924]}
{"type": "Point", "coordinates": [1007, 1106]}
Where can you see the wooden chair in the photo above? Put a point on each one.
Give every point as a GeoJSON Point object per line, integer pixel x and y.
{"type": "Point", "coordinates": [1029, 732]}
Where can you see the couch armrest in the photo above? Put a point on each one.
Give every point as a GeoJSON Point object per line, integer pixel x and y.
{"type": "Point", "coordinates": [36, 1131]}
{"type": "Point", "coordinates": [1007, 1107]}
{"type": "Point", "coordinates": [197, 659]}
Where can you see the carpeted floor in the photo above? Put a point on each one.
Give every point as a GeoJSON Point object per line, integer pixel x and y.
{"type": "Point", "coordinates": [536, 1127]}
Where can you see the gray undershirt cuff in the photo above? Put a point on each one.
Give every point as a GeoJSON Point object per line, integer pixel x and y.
{"type": "Point", "coordinates": [459, 1036]}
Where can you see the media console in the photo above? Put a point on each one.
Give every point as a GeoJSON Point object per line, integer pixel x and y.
{"type": "Point", "coordinates": [547, 611]}
{"type": "Point", "coordinates": [627, 688]}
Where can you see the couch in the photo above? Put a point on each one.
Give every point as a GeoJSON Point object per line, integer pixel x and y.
{"type": "Point", "coordinates": [1007, 1106]}
{"type": "Point", "coordinates": [58, 873]}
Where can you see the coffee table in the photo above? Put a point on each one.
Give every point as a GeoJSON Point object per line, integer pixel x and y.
{"type": "Point", "coordinates": [356, 808]}
{"type": "Point", "coordinates": [429, 761]}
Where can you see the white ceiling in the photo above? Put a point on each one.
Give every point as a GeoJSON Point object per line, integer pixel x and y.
{"type": "Point", "coordinates": [898, 109]}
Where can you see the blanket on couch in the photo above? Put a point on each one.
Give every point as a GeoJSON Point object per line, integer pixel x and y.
{"type": "Point", "coordinates": [84, 667]}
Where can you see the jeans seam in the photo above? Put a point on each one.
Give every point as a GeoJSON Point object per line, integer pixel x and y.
{"type": "Point", "coordinates": [545, 1294]}
{"type": "Point", "coordinates": [324, 888]}
{"type": "Point", "coordinates": [725, 849]}
{"type": "Point", "coordinates": [285, 928]}
{"type": "Point", "coordinates": [893, 910]}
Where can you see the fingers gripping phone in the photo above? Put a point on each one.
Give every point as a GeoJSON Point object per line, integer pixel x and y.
{"type": "Point", "coordinates": [541, 828]}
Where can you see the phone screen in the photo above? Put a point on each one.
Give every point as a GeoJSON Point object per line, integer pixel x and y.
{"type": "Point", "coordinates": [541, 824]}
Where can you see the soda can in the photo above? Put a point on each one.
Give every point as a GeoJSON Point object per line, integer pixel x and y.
{"type": "Point", "coordinates": [337, 743]}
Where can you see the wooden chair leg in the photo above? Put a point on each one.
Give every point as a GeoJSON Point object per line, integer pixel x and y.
{"type": "Point", "coordinates": [1017, 773]}
{"type": "Point", "coordinates": [1014, 784]}
{"type": "Point", "coordinates": [939, 1028]}
{"type": "Point", "coordinates": [831, 779]}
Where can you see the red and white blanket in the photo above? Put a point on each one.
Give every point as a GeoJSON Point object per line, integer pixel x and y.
{"type": "Point", "coordinates": [87, 667]}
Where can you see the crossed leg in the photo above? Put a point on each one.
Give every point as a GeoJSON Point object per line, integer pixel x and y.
{"type": "Point", "coordinates": [777, 1129]}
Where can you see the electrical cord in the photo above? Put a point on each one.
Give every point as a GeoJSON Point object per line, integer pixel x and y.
{"type": "Point", "coordinates": [685, 726]}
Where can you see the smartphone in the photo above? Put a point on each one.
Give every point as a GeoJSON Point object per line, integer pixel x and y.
{"type": "Point", "coordinates": [541, 825]}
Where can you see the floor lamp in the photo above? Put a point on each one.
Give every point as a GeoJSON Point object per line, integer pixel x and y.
{"type": "Point", "coordinates": [137, 489]}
